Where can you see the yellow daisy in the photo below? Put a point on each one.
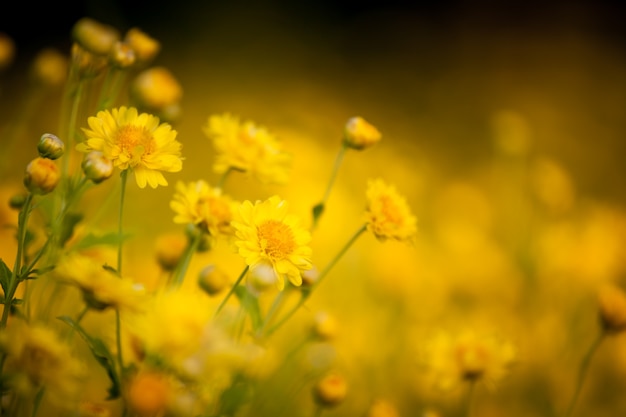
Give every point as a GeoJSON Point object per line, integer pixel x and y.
{"type": "Point", "coordinates": [134, 141]}
{"type": "Point", "coordinates": [267, 234]}
{"type": "Point", "coordinates": [387, 214]}
{"type": "Point", "coordinates": [100, 288]}
{"type": "Point", "coordinates": [200, 204]}
{"type": "Point", "coordinates": [247, 147]}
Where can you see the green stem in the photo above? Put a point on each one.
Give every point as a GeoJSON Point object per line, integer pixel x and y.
{"type": "Point", "coordinates": [232, 290]}
{"type": "Point", "coordinates": [582, 372]}
{"type": "Point", "coordinates": [124, 176]}
{"type": "Point", "coordinates": [278, 301]}
{"type": "Point", "coordinates": [307, 292]}
{"type": "Point", "coordinates": [178, 275]}
{"type": "Point", "coordinates": [319, 208]}
{"type": "Point", "coordinates": [77, 95]}
{"type": "Point", "coordinates": [470, 398]}
{"type": "Point", "coordinates": [37, 401]}
{"type": "Point", "coordinates": [222, 180]}
{"type": "Point", "coordinates": [17, 266]}
{"type": "Point", "coordinates": [120, 358]}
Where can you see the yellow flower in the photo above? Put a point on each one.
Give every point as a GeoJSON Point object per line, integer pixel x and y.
{"type": "Point", "coordinates": [612, 308]}
{"type": "Point", "coordinates": [330, 390]}
{"type": "Point", "coordinates": [199, 204]}
{"type": "Point", "coordinates": [149, 393]}
{"type": "Point", "coordinates": [360, 134]}
{"type": "Point", "coordinates": [387, 214]}
{"type": "Point", "coordinates": [145, 46]}
{"type": "Point", "coordinates": [7, 50]}
{"type": "Point", "coordinates": [156, 88]}
{"type": "Point", "coordinates": [468, 356]}
{"type": "Point", "coordinates": [134, 141]}
{"type": "Point", "coordinates": [37, 358]}
{"type": "Point", "coordinates": [248, 148]}
{"type": "Point", "coordinates": [267, 234]}
{"type": "Point", "coordinates": [101, 289]}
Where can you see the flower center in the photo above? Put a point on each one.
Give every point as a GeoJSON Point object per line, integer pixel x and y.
{"type": "Point", "coordinates": [276, 239]}
{"type": "Point", "coordinates": [135, 141]}
{"type": "Point", "coordinates": [390, 210]}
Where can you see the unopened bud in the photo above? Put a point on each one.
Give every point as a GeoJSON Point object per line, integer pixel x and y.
{"type": "Point", "coordinates": [50, 146]}
{"type": "Point", "coordinates": [169, 250]}
{"type": "Point", "coordinates": [213, 280]}
{"type": "Point", "coordinates": [146, 48]}
{"type": "Point", "coordinates": [612, 306]}
{"type": "Point", "coordinates": [359, 134]}
{"type": "Point", "coordinates": [325, 326]}
{"type": "Point", "coordinates": [94, 36]}
{"type": "Point", "coordinates": [331, 390]}
{"type": "Point", "coordinates": [156, 89]}
{"type": "Point", "coordinates": [97, 167]}
{"type": "Point", "coordinates": [86, 63]}
{"type": "Point", "coordinates": [42, 176]}
{"type": "Point", "coordinates": [122, 55]}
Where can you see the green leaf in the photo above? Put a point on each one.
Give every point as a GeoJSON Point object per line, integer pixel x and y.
{"type": "Point", "coordinates": [5, 276]}
{"type": "Point", "coordinates": [112, 239]}
{"type": "Point", "coordinates": [318, 209]}
{"type": "Point", "coordinates": [102, 355]}
{"type": "Point", "coordinates": [67, 228]}
{"type": "Point", "coordinates": [251, 304]}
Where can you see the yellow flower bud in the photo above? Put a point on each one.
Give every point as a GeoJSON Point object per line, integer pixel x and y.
{"type": "Point", "coordinates": [94, 36]}
{"type": "Point", "coordinates": [325, 326]}
{"type": "Point", "coordinates": [42, 176]}
{"type": "Point", "coordinates": [148, 393]}
{"type": "Point", "coordinates": [7, 51]}
{"type": "Point", "coordinates": [309, 277]}
{"type": "Point", "coordinates": [156, 89]}
{"type": "Point", "coordinates": [122, 55]}
{"type": "Point", "coordinates": [213, 280]}
{"type": "Point", "coordinates": [612, 306]}
{"type": "Point", "coordinates": [146, 48]}
{"type": "Point", "coordinates": [169, 250]}
{"type": "Point", "coordinates": [87, 63]}
{"type": "Point", "coordinates": [359, 134]}
{"type": "Point", "coordinates": [261, 278]}
{"type": "Point", "coordinates": [97, 167]}
{"type": "Point", "coordinates": [382, 408]}
{"type": "Point", "coordinates": [49, 68]}
{"type": "Point", "coordinates": [50, 146]}
{"type": "Point", "coordinates": [331, 390]}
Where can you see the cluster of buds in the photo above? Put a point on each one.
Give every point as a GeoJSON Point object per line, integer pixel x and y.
{"type": "Point", "coordinates": [42, 174]}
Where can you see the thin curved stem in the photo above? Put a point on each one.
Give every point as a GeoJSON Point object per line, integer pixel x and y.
{"type": "Point", "coordinates": [582, 371]}
{"type": "Point", "coordinates": [318, 209]}
{"type": "Point", "coordinates": [307, 292]}
{"type": "Point", "coordinates": [232, 290]}
{"type": "Point", "coordinates": [178, 276]}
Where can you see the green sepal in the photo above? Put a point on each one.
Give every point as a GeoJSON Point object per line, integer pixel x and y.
{"type": "Point", "coordinates": [318, 209]}
{"type": "Point", "coordinates": [251, 304]}
{"type": "Point", "coordinates": [101, 353]}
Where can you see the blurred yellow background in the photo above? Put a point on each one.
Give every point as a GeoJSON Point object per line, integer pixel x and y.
{"type": "Point", "coordinates": [503, 125]}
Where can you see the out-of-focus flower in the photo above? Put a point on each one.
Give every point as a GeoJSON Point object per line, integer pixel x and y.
{"type": "Point", "coordinates": [42, 176]}
{"type": "Point", "coordinates": [169, 249]}
{"type": "Point", "coordinates": [512, 133]}
{"type": "Point", "coordinates": [552, 185]}
{"type": "Point", "coordinates": [247, 147]}
{"type": "Point", "coordinates": [146, 47]}
{"type": "Point", "coordinates": [359, 134]}
{"type": "Point", "coordinates": [101, 289]}
{"type": "Point", "coordinates": [134, 141]}
{"type": "Point", "coordinates": [261, 277]}
{"type": "Point", "coordinates": [213, 280]}
{"type": "Point", "coordinates": [49, 68]}
{"type": "Point", "coordinates": [183, 313]}
{"type": "Point", "coordinates": [612, 306]}
{"type": "Point", "coordinates": [7, 50]}
{"type": "Point", "coordinates": [468, 356]}
{"type": "Point", "coordinates": [330, 390]}
{"type": "Point", "coordinates": [50, 146]}
{"type": "Point", "coordinates": [149, 393]}
{"type": "Point", "coordinates": [157, 90]}
{"type": "Point", "coordinates": [87, 64]}
{"type": "Point", "coordinates": [37, 358]}
{"type": "Point", "coordinates": [94, 36]}
{"type": "Point", "coordinates": [204, 206]}
{"type": "Point", "coordinates": [267, 234]}
{"type": "Point", "coordinates": [387, 214]}
{"type": "Point", "coordinates": [382, 408]}
{"type": "Point", "coordinates": [92, 409]}
{"type": "Point", "coordinates": [122, 55]}
{"type": "Point", "coordinates": [97, 167]}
